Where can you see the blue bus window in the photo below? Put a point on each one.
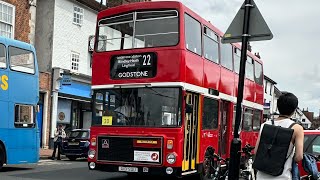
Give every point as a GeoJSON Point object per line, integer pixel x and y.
{"type": "Point", "coordinates": [3, 62]}
{"type": "Point", "coordinates": [21, 60]}
{"type": "Point", "coordinates": [24, 115]}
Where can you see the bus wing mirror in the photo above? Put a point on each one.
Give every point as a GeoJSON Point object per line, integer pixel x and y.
{"type": "Point", "coordinates": [189, 108]}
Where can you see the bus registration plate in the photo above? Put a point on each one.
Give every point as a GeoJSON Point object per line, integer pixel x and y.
{"type": "Point", "coordinates": [128, 169]}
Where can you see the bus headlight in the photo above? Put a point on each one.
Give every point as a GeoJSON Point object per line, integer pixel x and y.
{"type": "Point", "coordinates": [91, 153]}
{"type": "Point", "coordinates": [171, 158]}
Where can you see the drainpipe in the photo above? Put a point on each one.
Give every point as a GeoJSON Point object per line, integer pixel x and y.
{"type": "Point", "coordinates": [32, 21]}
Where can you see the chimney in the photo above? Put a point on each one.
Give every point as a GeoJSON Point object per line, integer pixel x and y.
{"type": "Point", "coordinates": [257, 55]}
{"type": "Point", "coordinates": [249, 47]}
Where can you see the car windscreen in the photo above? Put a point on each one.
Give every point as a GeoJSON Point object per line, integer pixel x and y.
{"type": "Point", "coordinates": [79, 134]}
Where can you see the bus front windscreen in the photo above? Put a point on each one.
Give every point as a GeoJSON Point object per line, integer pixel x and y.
{"type": "Point", "coordinates": [139, 107]}
{"type": "Point", "coordinates": [138, 30]}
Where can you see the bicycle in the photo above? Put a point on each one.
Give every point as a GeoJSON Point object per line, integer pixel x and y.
{"type": "Point", "coordinates": [248, 173]}
{"type": "Point", "coordinates": [215, 167]}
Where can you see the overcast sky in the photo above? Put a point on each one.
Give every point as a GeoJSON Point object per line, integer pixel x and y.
{"type": "Point", "coordinates": [291, 57]}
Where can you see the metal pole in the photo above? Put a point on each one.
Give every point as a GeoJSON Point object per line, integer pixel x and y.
{"type": "Point", "coordinates": [234, 164]}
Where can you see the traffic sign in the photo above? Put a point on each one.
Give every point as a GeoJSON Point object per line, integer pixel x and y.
{"type": "Point", "coordinates": [258, 29]}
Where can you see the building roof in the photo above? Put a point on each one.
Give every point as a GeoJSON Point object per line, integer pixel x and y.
{"type": "Point", "coordinates": [277, 92]}
{"type": "Point", "coordinates": [93, 4]}
{"type": "Point", "coordinates": [269, 79]}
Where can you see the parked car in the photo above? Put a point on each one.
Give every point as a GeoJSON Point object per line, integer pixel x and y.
{"type": "Point", "coordinates": [312, 146]}
{"type": "Point", "coordinates": [76, 144]}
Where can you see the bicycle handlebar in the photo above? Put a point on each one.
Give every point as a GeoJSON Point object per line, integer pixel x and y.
{"type": "Point", "coordinates": [247, 149]}
{"type": "Point", "coordinates": [219, 158]}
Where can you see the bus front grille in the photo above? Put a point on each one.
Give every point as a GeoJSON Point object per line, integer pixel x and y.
{"type": "Point", "coordinates": [126, 150]}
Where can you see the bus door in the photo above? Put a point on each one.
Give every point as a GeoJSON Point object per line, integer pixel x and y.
{"type": "Point", "coordinates": [190, 132]}
{"type": "Point", "coordinates": [225, 129]}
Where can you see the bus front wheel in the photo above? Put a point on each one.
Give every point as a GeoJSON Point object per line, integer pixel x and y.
{"type": "Point", "coordinates": [2, 156]}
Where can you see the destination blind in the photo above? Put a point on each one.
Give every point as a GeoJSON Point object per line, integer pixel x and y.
{"type": "Point", "coordinates": [133, 66]}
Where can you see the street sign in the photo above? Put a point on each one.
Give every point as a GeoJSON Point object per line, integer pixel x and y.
{"type": "Point", "coordinates": [66, 79]}
{"type": "Point", "coordinates": [258, 29]}
{"type": "Point", "coordinates": [248, 25]}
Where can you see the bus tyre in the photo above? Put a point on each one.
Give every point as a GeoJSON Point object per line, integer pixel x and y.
{"type": "Point", "coordinates": [2, 157]}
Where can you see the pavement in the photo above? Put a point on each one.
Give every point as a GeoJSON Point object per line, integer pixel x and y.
{"type": "Point", "coordinates": [45, 153]}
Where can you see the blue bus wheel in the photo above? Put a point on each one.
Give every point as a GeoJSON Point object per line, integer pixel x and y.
{"type": "Point", "coordinates": [2, 156]}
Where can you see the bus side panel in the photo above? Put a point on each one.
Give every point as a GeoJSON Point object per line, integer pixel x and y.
{"type": "Point", "coordinates": [193, 69]}
{"type": "Point", "coordinates": [24, 89]}
{"type": "Point", "coordinates": [21, 148]}
{"type": "Point", "coordinates": [3, 121]}
{"type": "Point", "coordinates": [259, 94]}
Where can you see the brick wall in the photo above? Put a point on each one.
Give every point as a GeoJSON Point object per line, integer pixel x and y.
{"type": "Point", "coordinates": [45, 87]}
{"type": "Point", "coordinates": [22, 28]}
{"type": "Point", "coordinates": [45, 81]}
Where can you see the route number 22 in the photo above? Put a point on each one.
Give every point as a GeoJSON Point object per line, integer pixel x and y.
{"type": "Point", "coordinates": [146, 60]}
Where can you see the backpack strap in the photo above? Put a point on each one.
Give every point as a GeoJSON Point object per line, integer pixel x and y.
{"type": "Point", "coordinates": [294, 123]}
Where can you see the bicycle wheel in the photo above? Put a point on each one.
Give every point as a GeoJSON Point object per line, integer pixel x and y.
{"type": "Point", "coordinates": [209, 170]}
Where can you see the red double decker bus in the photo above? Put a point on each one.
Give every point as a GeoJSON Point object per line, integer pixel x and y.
{"type": "Point", "coordinates": [164, 91]}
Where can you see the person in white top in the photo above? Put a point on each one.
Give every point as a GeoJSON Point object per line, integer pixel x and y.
{"type": "Point", "coordinates": [287, 105]}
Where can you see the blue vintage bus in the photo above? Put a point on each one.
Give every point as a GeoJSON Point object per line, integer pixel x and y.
{"type": "Point", "coordinates": [19, 95]}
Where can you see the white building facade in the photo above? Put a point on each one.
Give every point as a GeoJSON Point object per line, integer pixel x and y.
{"type": "Point", "coordinates": [270, 100]}
{"type": "Point", "coordinates": [62, 38]}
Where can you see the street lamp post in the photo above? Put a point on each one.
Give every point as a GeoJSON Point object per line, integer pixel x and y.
{"type": "Point", "coordinates": [234, 164]}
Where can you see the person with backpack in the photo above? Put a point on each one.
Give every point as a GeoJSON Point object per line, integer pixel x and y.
{"type": "Point", "coordinates": [280, 142]}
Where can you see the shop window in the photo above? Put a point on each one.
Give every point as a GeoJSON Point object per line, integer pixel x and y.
{"type": "Point", "coordinates": [210, 114]}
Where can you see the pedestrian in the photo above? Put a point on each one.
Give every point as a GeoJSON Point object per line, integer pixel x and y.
{"type": "Point", "coordinates": [287, 105]}
{"type": "Point", "coordinates": [59, 135]}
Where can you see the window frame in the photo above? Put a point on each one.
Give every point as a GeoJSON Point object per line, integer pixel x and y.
{"type": "Point", "coordinates": [134, 21]}
{"type": "Point", "coordinates": [71, 60]}
{"type": "Point", "coordinates": [244, 119]}
{"type": "Point", "coordinates": [22, 124]}
{"type": "Point", "coordinates": [13, 17]}
{"type": "Point", "coordinates": [253, 72]}
{"type": "Point", "coordinates": [201, 41]}
{"type": "Point", "coordinates": [231, 56]}
{"type": "Point", "coordinates": [235, 53]}
{"type": "Point", "coordinates": [214, 40]}
{"type": "Point", "coordinates": [256, 112]}
{"type": "Point", "coordinates": [81, 15]}
{"type": "Point", "coordinates": [5, 57]}
{"type": "Point", "coordinates": [9, 59]}
{"type": "Point", "coordinates": [312, 141]}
